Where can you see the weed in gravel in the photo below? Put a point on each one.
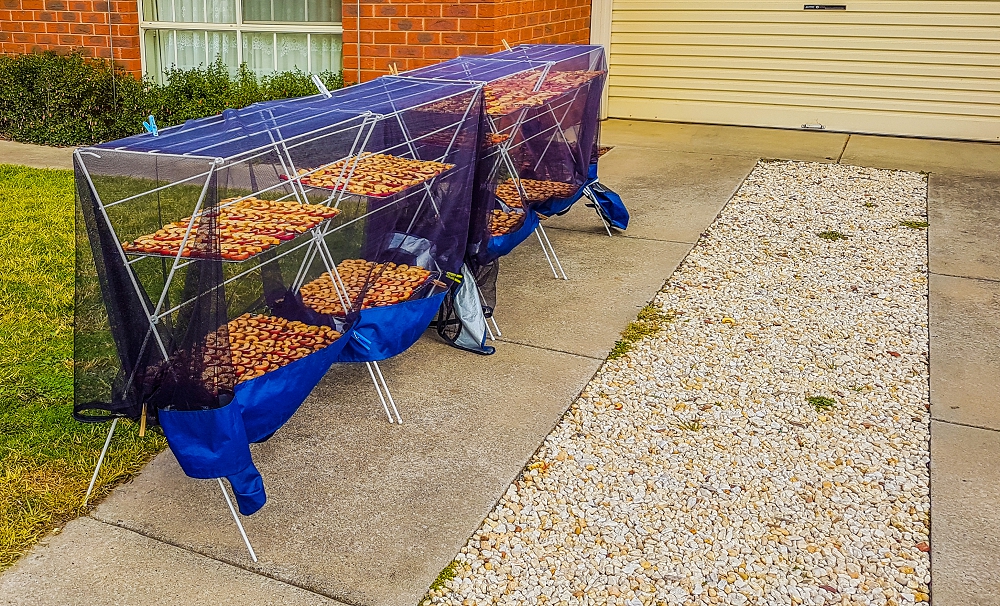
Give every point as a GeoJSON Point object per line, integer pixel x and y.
{"type": "Point", "coordinates": [446, 574]}
{"type": "Point", "coordinates": [832, 236]}
{"type": "Point", "coordinates": [694, 425]}
{"type": "Point", "coordinates": [869, 205]}
{"type": "Point", "coordinates": [650, 321]}
{"type": "Point", "coordinates": [914, 224]}
{"type": "Point", "coordinates": [821, 403]}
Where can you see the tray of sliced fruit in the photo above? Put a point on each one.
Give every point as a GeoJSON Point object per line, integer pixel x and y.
{"type": "Point", "coordinates": [245, 228]}
{"type": "Point", "coordinates": [375, 175]}
{"type": "Point", "coordinates": [535, 191]}
{"type": "Point", "coordinates": [382, 284]}
{"type": "Point", "coordinates": [259, 344]}
{"type": "Point", "coordinates": [496, 138]}
{"type": "Point", "coordinates": [503, 222]}
{"type": "Point", "coordinates": [512, 93]}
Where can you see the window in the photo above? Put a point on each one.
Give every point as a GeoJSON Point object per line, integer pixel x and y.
{"type": "Point", "coordinates": [268, 35]}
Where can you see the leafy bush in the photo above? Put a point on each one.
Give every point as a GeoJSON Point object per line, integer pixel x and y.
{"type": "Point", "coordinates": [70, 100]}
{"type": "Point", "coordinates": [200, 92]}
{"type": "Point", "coordinates": [67, 100]}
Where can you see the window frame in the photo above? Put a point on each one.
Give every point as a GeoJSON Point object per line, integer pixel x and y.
{"type": "Point", "coordinates": [240, 27]}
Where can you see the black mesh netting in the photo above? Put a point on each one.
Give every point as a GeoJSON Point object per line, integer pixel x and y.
{"type": "Point", "coordinates": [232, 247]}
{"type": "Point", "coordinates": [539, 148]}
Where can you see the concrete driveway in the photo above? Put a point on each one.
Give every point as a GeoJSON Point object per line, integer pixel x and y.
{"type": "Point", "coordinates": [363, 512]}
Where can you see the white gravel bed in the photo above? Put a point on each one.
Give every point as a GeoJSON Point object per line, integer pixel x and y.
{"type": "Point", "coordinates": [694, 470]}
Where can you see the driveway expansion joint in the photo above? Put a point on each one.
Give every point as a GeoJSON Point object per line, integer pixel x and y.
{"type": "Point", "coordinates": [976, 278]}
{"type": "Point", "coordinates": [960, 424]}
{"type": "Point", "coordinates": [543, 348]}
{"type": "Point", "coordinates": [237, 565]}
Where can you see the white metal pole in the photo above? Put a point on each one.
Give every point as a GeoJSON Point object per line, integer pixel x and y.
{"type": "Point", "coordinates": [553, 251]}
{"type": "Point", "coordinates": [100, 461]}
{"type": "Point", "coordinates": [546, 252]}
{"type": "Point", "coordinates": [371, 372]}
{"type": "Point", "coordinates": [388, 393]}
{"type": "Point", "coordinates": [236, 518]}
{"type": "Point", "coordinates": [597, 208]}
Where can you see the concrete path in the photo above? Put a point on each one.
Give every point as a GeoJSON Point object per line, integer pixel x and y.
{"type": "Point", "coordinates": [363, 512]}
{"type": "Point", "coordinates": [37, 156]}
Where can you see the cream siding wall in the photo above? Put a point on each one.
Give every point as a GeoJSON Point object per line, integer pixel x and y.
{"type": "Point", "coordinates": [903, 67]}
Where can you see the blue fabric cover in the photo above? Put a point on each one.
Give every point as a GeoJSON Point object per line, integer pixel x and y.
{"type": "Point", "coordinates": [241, 131]}
{"type": "Point", "coordinates": [383, 332]}
{"type": "Point", "coordinates": [557, 206]}
{"type": "Point", "coordinates": [609, 203]}
{"type": "Point", "coordinates": [611, 206]}
{"type": "Point", "coordinates": [213, 444]}
{"type": "Point", "coordinates": [267, 402]}
{"type": "Point", "coordinates": [216, 443]}
{"type": "Point", "coordinates": [501, 245]}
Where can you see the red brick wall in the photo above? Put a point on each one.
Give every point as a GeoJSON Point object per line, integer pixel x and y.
{"type": "Point", "coordinates": [87, 26]}
{"type": "Point", "coordinates": [413, 33]}
{"type": "Point", "coordinates": [545, 21]}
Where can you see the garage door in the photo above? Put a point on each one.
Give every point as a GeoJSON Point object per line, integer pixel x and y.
{"type": "Point", "coordinates": [902, 67]}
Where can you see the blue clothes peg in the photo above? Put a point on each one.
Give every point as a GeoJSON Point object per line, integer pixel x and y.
{"type": "Point", "coordinates": [150, 126]}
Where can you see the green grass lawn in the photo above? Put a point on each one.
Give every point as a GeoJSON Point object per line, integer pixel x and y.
{"type": "Point", "coordinates": [46, 457]}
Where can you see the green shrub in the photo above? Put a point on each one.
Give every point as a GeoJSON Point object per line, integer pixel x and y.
{"type": "Point", "coordinates": [200, 92]}
{"type": "Point", "coordinates": [67, 100]}
{"type": "Point", "coordinates": [70, 100]}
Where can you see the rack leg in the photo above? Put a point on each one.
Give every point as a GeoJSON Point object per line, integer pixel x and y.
{"type": "Point", "coordinates": [597, 209]}
{"type": "Point", "coordinates": [495, 325]}
{"type": "Point", "coordinates": [546, 252]}
{"type": "Point", "coordinates": [100, 461]}
{"type": "Point", "coordinates": [388, 393]}
{"type": "Point", "coordinates": [489, 331]}
{"type": "Point", "coordinates": [553, 251]}
{"type": "Point", "coordinates": [236, 518]}
{"type": "Point", "coordinates": [378, 389]}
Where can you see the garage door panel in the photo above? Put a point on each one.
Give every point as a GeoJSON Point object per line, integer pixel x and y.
{"type": "Point", "coordinates": [908, 85]}
{"type": "Point", "coordinates": [913, 61]}
{"type": "Point", "coordinates": [932, 125]}
{"type": "Point", "coordinates": [803, 18]}
{"type": "Point", "coordinates": [819, 100]}
{"type": "Point", "coordinates": [774, 64]}
{"type": "Point", "coordinates": [941, 74]}
{"type": "Point", "coordinates": [829, 43]}
{"type": "Point", "coordinates": [945, 7]}
{"type": "Point", "coordinates": [799, 30]}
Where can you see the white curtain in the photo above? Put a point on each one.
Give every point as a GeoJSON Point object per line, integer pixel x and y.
{"type": "Point", "coordinates": [222, 45]}
{"type": "Point", "coordinates": [263, 52]}
{"type": "Point", "coordinates": [258, 52]}
{"type": "Point", "coordinates": [292, 11]}
{"type": "Point", "coordinates": [323, 11]}
{"type": "Point", "coordinates": [326, 51]}
{"type": "Point", "coordinates": [293, 53]}
{"type": "Point", "coordinates": [191, 11]}
{"type": "Point", "coordinates": [187, 49]}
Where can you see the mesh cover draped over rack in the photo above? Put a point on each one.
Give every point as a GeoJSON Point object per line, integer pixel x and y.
{"type": "Point", "coordinates": [539, 152]}
{"type": "Point", "coordinates": [224, 265]}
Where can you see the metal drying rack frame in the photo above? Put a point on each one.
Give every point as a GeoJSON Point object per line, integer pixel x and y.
{"type": "Point", "coordinates": [316, 245]}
